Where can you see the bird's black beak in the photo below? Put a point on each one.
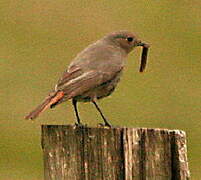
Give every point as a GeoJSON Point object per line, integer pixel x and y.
{"type": "Point", "coordinates": [144, 55]}
{"type": "Point", "coordinates": [140, 43]}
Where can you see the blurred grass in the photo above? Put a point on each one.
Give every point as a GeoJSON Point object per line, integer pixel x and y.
{"type": "Point", "coordinates": [39, 39]}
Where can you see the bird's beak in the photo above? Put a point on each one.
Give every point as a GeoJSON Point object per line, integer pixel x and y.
{"type": "Point", "coordinates": [144, 55]}
{"type": "Point", "coordinates": [140, 43]}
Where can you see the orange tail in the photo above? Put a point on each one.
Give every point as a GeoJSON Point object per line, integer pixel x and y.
{"type": "Point", "coordinates": [52, 99]}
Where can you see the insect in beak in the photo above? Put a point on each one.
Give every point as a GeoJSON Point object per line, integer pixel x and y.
{"type": "Point", "coordinates": [144, 55]}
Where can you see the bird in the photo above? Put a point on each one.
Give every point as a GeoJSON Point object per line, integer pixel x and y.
{"type": "Point", "coordinates": [94, 73]}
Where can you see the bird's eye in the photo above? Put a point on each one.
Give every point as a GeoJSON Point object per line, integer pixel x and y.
{"type": "Point", "coordinates": [129, 39]}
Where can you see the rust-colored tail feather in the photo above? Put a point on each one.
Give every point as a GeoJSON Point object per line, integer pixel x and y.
{"type": "Point", "coordinates": [51, 99]}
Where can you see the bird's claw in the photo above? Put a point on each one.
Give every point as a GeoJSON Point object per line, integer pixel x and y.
{"type": "Point", "coordinates": [80, 125]}
{"type": "Point", "coordinates": [104, 125]}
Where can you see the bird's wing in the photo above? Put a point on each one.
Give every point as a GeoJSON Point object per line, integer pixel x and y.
{"type": "Point", "coordinates": [85, 82]}
{"type": "Point", "coordinates": [68, 75]}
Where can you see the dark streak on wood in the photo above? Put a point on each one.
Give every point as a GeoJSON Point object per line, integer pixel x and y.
{"type": "Point", "coordinates": [142, 156]}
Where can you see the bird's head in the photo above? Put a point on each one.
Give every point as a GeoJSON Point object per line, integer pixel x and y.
{"type": "Point", "coordinates": [127, 41]}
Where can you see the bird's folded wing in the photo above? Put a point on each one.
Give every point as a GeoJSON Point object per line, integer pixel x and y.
{"type": "Point", "coordinates": [85, 82]}
{"type": "Point", "coordinates": [72, 73]}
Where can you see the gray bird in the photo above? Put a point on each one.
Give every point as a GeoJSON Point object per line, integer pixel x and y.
{"type": "Point", "coordinates": [94, 73]}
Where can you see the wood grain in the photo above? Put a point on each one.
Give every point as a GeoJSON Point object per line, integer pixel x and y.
{"type": "Point", "coordinates": [86, 153]}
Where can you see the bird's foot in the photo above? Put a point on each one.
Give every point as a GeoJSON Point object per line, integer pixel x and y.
{"type": "Point", "coordinates": [108, 125]}
{"type": "Point", "coordinates": [80, 125]}
{"type": "Point", "coordinates": [105, 125]}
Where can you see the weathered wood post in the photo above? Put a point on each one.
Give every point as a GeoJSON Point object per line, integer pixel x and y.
{"type": "Point", "coordinates": [85, 153]}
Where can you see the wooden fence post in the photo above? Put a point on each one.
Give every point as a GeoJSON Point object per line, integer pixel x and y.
{"type": "Point", "coordinates": [100, 153]}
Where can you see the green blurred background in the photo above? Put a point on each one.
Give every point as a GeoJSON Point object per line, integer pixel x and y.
{"type": "Point", "coordinates": [38, 39]}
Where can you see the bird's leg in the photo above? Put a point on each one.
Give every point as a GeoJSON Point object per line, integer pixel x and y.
{"type": "Point", "coordinates": [74, 102]}
{"type": "Point", "coordinates": [99, 110]}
